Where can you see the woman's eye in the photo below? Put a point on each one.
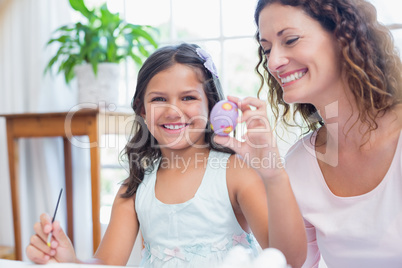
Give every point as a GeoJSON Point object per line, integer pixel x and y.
{"type": "Point", "coordinates": [267, 52]}
{"type": "Point", "coordinates": [292, 40]}
{"type": "Point", "coordinates": [157, 99]}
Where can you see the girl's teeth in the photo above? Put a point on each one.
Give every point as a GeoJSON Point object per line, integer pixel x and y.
{"type": "Point", "coordinates": [174, 126]}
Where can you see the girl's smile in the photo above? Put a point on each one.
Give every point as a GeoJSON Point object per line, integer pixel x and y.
{"type": "Point", "coordinates": [176, 107]}
{"type": "Point", "coordinates": [175, 128]}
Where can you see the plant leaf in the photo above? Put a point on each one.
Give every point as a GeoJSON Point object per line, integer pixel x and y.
{"type": "Point", "coordinates": [137, 31]}
{"type": "Point", "coordinates": [104, 37]}
{"type": "Point", "coordinates": [79, 6]}
{"type": "Point", "coordinates": [137, 59]}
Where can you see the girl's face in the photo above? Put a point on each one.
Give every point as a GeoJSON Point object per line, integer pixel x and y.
{"type": "Point", "coordinates": [302, 56]}
{"type": "Point", "coordinates": [176, 108]}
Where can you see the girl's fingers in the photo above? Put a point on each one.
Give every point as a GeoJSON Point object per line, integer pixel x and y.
{"type": "Point", "coordinates": [46, 223]}
{"type": "Point", "coordinates": [36, 255]}
{"type": "Point", "coordinates": [61, 238]}
{"type": "Point", "coordinates": [41, 245]}
{"type": "Point", "coordinates": [38, 228]}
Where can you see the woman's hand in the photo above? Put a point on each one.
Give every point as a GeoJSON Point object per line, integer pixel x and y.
{"type": "Point", "coordinates": [260, 151]}
{"type": "Point", "coordinates": [258, 147]}
{"type": "Point", "coordinates": [60, 250]}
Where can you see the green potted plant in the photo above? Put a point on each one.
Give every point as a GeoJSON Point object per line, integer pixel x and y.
{"type": "Point", "coordinates": [94, 49]}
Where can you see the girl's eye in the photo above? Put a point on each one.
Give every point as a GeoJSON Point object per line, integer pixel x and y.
{"type": "Point", "coordinates": [157, 99]}
{"type": "Point", "coordinates": [189, 98]}
{"type": "Point", "coordinates": [292, 40]}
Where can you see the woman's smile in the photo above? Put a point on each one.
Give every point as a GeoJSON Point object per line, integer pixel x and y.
{"type": "Point", "coordinates": [290, 77]}
{"type": "Point", "coordinates": [302, 56]}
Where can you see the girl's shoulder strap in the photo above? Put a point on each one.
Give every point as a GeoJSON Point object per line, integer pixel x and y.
{"type": "Point", "coordinates": [218, 158]}
{"type": "Point", "coordinates": [216, 167]}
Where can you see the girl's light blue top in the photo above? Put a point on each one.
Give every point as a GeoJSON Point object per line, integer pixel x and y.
{"type": "Point", "coordinates": [196, 233]}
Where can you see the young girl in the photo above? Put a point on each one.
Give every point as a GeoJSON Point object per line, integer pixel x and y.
{"type": "Point", "coordinates": [337, 65]}
{"type": "Point", "coordinates": [192, 199]}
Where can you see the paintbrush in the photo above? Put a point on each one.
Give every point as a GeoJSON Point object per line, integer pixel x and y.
{"type": "Point", "coordinates": [49, 237]}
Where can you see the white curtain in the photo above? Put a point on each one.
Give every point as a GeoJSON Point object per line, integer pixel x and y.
{"type": "Point", "coordinates": [25, 27]}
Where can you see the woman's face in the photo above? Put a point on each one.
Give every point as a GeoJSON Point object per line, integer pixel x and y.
{"type": "Point", "coordinates": [302, 56]}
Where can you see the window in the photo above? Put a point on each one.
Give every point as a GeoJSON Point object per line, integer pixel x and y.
{"type": "Point", "coordinates": [113, 172]}
{"type": "Point", "coordinates": [388, 13]}
{"type": "Point", "coordinates": [225, 28]}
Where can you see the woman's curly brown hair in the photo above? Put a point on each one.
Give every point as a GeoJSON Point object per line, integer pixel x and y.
{"type": "Point", "coordinates": [370, 60]}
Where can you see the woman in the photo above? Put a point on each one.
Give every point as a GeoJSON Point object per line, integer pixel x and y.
{"type": "Point", "coordinates": [332, 64]}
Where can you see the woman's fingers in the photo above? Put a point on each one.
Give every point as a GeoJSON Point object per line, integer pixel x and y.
{"type": "Point", "coordinates": [258, 145]}
{"type": "Point", "coordinates": [229, 142]}
{"type": "Point", "coordinates": [252, 108]}
{"type": "Point", "coordinates": [246, 103]}
{"type": "Point", "coordinates": [234, 99]}
{"type": "Point", "coordinates": [251, 101]}
{"type": "Point", "coordinates": [239, 103]}
{"type": "Point", "coordinates": [256, 119]}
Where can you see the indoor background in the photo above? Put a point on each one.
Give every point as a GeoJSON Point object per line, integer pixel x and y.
{"type": "Point", "coordinates": [225, 28]}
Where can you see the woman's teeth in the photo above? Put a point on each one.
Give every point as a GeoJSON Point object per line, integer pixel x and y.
{"type": "Point", "coordinates": [292, 77]}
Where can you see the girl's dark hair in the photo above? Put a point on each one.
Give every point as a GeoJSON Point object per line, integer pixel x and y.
{"type": "Point", "coordinates": [142, 150]}
{"type": "Point", "coordinates": [370, 60]}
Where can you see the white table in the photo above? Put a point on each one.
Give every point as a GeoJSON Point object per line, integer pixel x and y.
{"type": "Point", "coordinates": [19, 264]}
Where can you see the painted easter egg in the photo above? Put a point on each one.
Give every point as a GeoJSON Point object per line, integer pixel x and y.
{"type": "Point", "coordinates": [224, 117]}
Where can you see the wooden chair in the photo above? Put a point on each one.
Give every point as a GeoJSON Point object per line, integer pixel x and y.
{"type": "Point", "coordinates": [91, 122]}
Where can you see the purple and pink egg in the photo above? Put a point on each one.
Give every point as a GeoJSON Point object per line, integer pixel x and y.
{"type": "Point", "coordinates": [224, 117]}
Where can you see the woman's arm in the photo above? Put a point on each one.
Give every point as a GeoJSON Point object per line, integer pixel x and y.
{"type": "Point", "coordinates": [286, 226]}
{"type": "Point", "coordinates": [249, 199]}
{"type": "Point", "coordinates": [313, 252]}
{"type": "Point", "coordinates": [270, 210]}
{"type": "Point", "coordinates": [259, 150]}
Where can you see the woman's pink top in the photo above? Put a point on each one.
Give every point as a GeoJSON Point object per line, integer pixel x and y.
{"type": "Point", "coordinates": [357, 231]}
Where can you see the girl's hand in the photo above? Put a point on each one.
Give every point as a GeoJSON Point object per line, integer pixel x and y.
{"type": "Point", "coordinates": [60, 250]}
{"type": "Point", "coordinates": [258, 147]}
